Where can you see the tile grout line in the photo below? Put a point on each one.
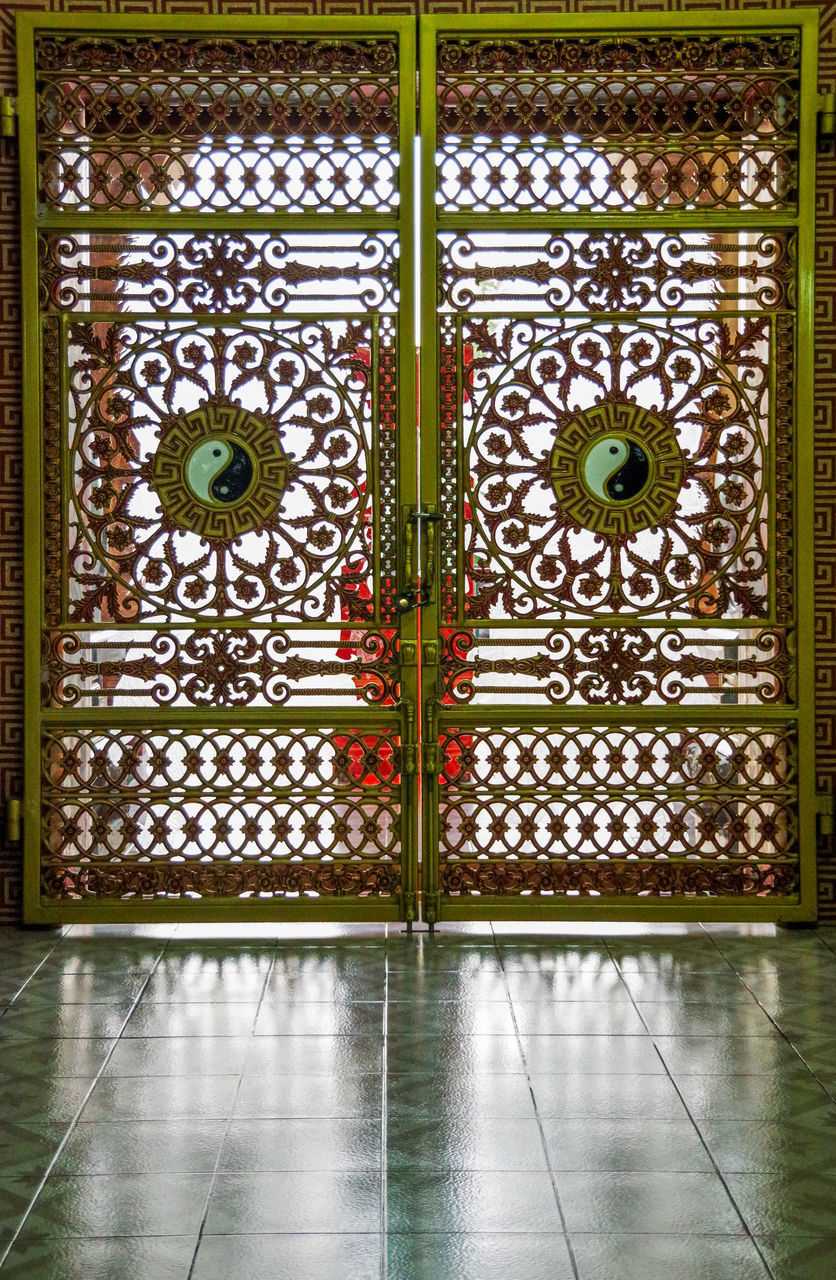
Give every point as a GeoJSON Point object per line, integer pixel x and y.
{"type": "Point", "coordinates": [750, 1234]}
{"type": "Point", "coordinates": [384, 1119]}
{"type": "Point", "coordinates": [230, 1118]}
{"type": "Point", "coordinates": [780, 1030]}
{"type": "Point", "coordinates": [551, 1172]}
{"type": "Point", "coordinates": [74, 1122]}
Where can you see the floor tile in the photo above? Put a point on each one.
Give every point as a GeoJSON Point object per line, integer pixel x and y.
{"type": "Point", "coordinates": [738, 1146]}
{"type": "Point", "coordinates": [647, 1203]}
{"type": "Point", "coordinates": [288, 1257]}
{"type": "Point", "coordinates": [627, 1145]}
{"type": "Point", "coordinates": [352, 1096]}
{"type": "Point", "coordinates": [799, 1257]}
{"type": "Point", "coordinates": [484, 1256]}
{"type": "Point", "coordinates": [478, 1142]}
{"type": "Point", "coordinates": [84, 988]}
{"type": "Point", "coordinates": [137, 1257]}
{"type": "Point", "coordinates": [68, 1057]}
{"type": "Point", "coordinates": [591, 1055]}
{"type": "Point", "coordinates": [141, 1204]}
{"type": "Point", "coordinates": [563, 985]}
{"type": "Point", "coordinates": [612, 1096]}
{"type": "Point", "coordinates": [194, 1019]}
{"type": "Point", "coordinates": [286, 1144]}
{"type": "Point", "coordinates": [251, 1203]}
{"type": "Point", "coordinates": [227, 978]}
{"type": "Point", "coordinates": [16, 1195]}
{"type": "Point", "coordinates": [790, 1093]}
{"type": "Point", "coordinates": [472, 1201]}
{"type": "Point", "coordinates": [453, 1054]}
{"type": "Point", "coordinates": [451, 1017]}
{"type": "Point", "coordinates": [43, 1099]}
{"type": "Point", "coordinates": [540, 959]}
{"type": "Point", "coordinates": [713, 1019]}
{"type": "Point", "coordinates": [182, 1097]}
{"type": "Point", "coordinates": [27, 1021]}
{"type": "Point", "coordinates": [320, 1018]}
{"type": "Point", "coordinates": [699, 988]}
{"type": "Point", "coordinates": [314, 1055]}
{"type": "Point", "coordinates": [142, 1146]}
{"type": "Point", "coordinates": [463, 1096]}
{"type": "Point", "coordinates": [577, 1018]}
{"type": "Point", "coordinates": [644, 1257]}
{"type": "Point", "coordinates": [178, 1056]}
{"type": "Point", "coordinates": [726, 1055]}
{"type": "Point", "coordinates": [444, 984]}
{"type": "Point", "coordinates": [28, 1146]}
{"type": "Point", "coordinates": [786, 1203]}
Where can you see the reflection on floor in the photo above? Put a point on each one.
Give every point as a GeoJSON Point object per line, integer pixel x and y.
{"type": "Point", "coordinates": [348, 1103]}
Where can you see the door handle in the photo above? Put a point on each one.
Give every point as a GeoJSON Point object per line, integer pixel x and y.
{"type": "Point", "coordinates": [414, 596]}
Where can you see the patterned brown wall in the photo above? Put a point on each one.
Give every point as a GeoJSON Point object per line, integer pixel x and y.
{"type": "Point", "coordinates": [10, 415]}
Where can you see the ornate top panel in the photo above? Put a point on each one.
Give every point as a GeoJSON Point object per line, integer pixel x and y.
{"type": "Point", "coordinates": [645, 53]}
{"type": "Point", "coordinates": [644, 123]}
{"type": "Point", "coordinates": [70, 54]}
{"type": "Point", "coordinates": [230, 125]}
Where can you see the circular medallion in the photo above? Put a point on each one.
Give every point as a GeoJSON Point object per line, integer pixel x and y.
{"type": "Point", "coordinates": [616, 469]}
{"type": "Point", "coordinates": [220, 471]}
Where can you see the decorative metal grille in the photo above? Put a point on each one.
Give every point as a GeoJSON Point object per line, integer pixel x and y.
{"type": "Point", "coordinates": [616, 326]}
{"type": "Point", "coordinates": [615, 300]}
{"type": "Point", "coordinates": [221, 124]}
{"type": "Point", "coordinates": [223, 475]}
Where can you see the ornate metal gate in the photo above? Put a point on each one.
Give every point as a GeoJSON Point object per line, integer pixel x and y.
{"type": "Point", "coordinates": [608, 710]}
{"type": "Point", "coordinates": [620, 698]}
{"type": "Point", "coordinates": [222, 214]}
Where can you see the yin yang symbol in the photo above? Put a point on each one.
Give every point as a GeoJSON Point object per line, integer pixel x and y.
{"type": "Point", "coordinates": [219, 472]}
{"type": "Point", "coordinates": [616, 469]}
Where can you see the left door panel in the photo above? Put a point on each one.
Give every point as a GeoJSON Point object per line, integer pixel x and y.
{"type": "Point", "coordinates": [217, 370]}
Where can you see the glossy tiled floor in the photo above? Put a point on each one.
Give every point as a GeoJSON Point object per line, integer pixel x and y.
{"type": "Point", "coordinates": [354, 1104]}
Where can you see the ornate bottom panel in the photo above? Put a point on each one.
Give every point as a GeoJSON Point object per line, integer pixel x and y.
{"type": "Point", "coordinates": [634, 811]}
{"type": "Point", "coordinates": [221, 813]}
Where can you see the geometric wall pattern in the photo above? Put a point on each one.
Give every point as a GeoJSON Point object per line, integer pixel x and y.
{"type": "Point", "coordinates": [11, 443]}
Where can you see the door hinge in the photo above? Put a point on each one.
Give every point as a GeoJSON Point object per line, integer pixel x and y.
{"type": "Point", "coordinates": [410, 758]}
{"type": "Point", "coordinates": [409, 906]}
{"type": "Point", "coordinates": [431, 907]}
{"type": "Point", "coordinates": [14, 822]}
{"type": "Point", "coordinates": [432, 757]}
{"type": "Point", "coordinates": [8, 117]}
{"type": "Point", "coordinates": [431, 652]}
{"type": "Point", "coordinates": [826, 116]}
{"type": "Point", "coordinates": [408, 651]}
{"type": "Point", "coordinates": [825, 812]}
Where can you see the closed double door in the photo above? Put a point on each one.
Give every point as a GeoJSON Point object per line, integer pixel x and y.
{"type": "Point", "coordinates": [532, 643]}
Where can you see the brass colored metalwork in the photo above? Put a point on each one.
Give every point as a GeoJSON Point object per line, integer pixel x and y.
{"type": "Point", "coordinates": [8, 117]}
{"type": "Point", "coordinates": [634, 123]}
{"type": "Point", "coordinates": [615, 434]}
{"type": "Point", "coordinates": [618, 666]}
{"type": "Point", "coordinates": [227, 724]}
{"type": "Point", "coordinates": [14, 824]}
{"type": "Point", "coordinates": [210, 273]}
{"type": "Point", "coordinates": [220, 124]}
{"type": "Point", "coordinates": [606, 707]}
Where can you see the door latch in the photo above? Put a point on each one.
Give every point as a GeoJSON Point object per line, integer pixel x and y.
{"type": "Point", "coordinates": [412, 598]}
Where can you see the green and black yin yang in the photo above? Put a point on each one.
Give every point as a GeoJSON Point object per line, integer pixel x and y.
{"type": "Point", "coordinates": [616, 469]}
{"type": "Point", "coordinates": [219, 471]}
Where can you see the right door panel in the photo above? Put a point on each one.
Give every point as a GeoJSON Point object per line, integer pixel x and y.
{"type": "Point", "coordinates": [617, 696]}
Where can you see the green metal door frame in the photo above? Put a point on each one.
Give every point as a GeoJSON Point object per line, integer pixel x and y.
{"type": "Point", "coordinates": [419, 668]}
